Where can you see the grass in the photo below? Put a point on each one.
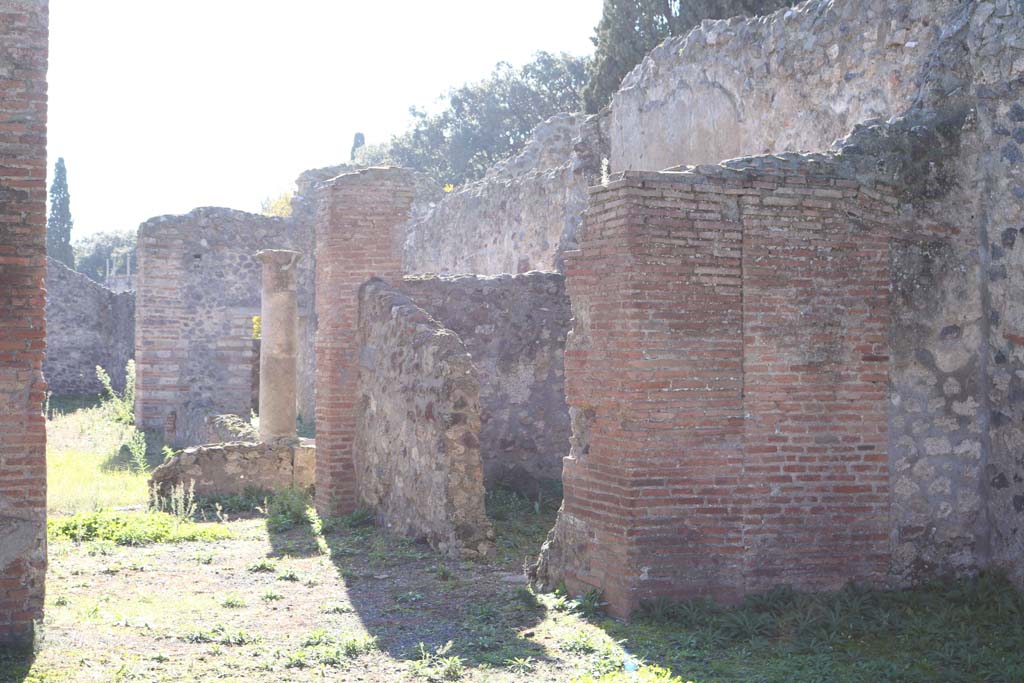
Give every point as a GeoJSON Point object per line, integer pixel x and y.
{"type": "Point", "coordinates": [132, 528]}
{"type": "Point", "coordinates": [969, 631]}
{"type": "Point", "coordinates": [86, 469]}
{"type": "Point", "coordinates": [288, 596]}
{"type": "Point", "coordinates": [521, 523]}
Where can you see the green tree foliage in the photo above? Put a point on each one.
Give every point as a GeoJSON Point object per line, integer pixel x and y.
{"type": "Point", "coordinates": [629, 29]}
{"type": "Point", "coordinates": [358, 141]}
{"type": "Point", "coordinates": [485, 122]}
{"type": "Point", "coordinates": [92, 253]}
{"type": "Point", "coordinates": [59, 223]}
{"type": "Point", "coordinates": [280, 206]}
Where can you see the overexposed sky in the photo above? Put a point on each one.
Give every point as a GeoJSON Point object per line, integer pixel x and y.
{"type": "Point", "coordinates": [160, 106]}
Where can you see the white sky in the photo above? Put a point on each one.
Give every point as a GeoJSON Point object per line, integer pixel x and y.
{"type": "Point", "coordinates": [160, 106]}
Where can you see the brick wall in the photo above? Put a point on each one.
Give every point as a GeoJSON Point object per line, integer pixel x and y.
{"type": "Point", "coordinates": [198, 290]}
{"type": "Point", "coordinates": [86, 325]}
{"type": "Point", "coordinates": [727, 377]}
{"type": "Point", "coordinates": [23, 56]}
{"type": "Point", "coordinates": [358, 236]}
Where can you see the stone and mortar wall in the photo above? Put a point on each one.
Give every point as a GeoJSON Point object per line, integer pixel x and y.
{"type": "Point", "coordinates": [943, 186]}
{"type": "Point", "coordinates": [23, 58]}
{"type": "Point", "coordinates": [198, 290]}
{"type": "Point", "coordinates": [231, 468]}
{"type": "Point", "coordinates": [86, 325]}
{"type": "Point", "coordinates": [955, 406]}
{"type": "Point", "coordinates": [522, 215]}
{"type": "Point", "coordinates": [514, 327]}
{"type": "Point", "coordinates": [978, 68]}
{"type": "Point", "coordinates": [417, 442]}
{"type": "Point", "coordinates": [795, 80]}
{"type": "Point", "coordinates": [727, 377]}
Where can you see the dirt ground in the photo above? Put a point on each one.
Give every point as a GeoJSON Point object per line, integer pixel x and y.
{"type": "Point", "coordinates": [353, 605]}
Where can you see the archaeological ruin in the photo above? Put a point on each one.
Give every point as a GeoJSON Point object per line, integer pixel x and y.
{"type": "Point", "coordinates": [761, 317]}
{"type": "Point", "coordinates": [87, 326]}
{"type": "Point", "coordinates": [23, 52]}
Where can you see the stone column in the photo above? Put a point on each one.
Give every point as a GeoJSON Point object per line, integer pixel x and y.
{"type": "Point", "coordinates": [279, 347]}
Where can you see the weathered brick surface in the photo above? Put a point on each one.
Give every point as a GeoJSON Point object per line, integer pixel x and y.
{"type": "Point", "coordinates": [727, 376]}
{"type": "Point", "coordinates": [514, 327]}
{"type": "Point", "coordinates": [417, 444]}
{"type": "Point", "coordinates": [23, 58]}
{"type": "Point", "coordinates": [86, 325]}
{"type": "Point", "coordinates": [358, 236]}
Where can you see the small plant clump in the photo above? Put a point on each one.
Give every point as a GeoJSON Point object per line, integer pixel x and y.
{"type": "Point", "coordinates": [119, 405]}
{"type": "Point", "coordinates": [180, 502]}
{"type": "Point", "coordinates": [232, 602]}
{"type": "Point", "coordinates": [287, 509]}
{"type": "Point", "coordinates": [644, 674]}
{"type": "Point", "coordinates": [263, 565]}
{"type": "Point", "coordinates": [438, 665]}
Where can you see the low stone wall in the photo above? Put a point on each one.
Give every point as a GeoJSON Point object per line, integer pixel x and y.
{"type": "Point", "coordinates": [230, 468]}
{"type": "Point", "coordinates": [514, 327]}
{"type": "Point", "coordinates": [86, 325]}
{"type": "Point", "coordinates": [417, 443]}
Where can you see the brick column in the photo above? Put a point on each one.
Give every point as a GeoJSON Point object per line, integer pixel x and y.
{"type": "Point", "coordinates": [279, 346]}
{"type": "Point", "coordinates": [23, 52]}
{"type": "Point", "coordinates": [358, 236]}
{"type": "Point", "coordinates": [654, 381]}
{"type": "Point", "coordinates": [726, 374]}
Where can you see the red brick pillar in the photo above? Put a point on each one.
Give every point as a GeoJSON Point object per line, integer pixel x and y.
{"type": "Point", "coordinates": [358, 236]}
{"type": "Point", "coordinates": [23, 52]}
{"type": "Point", "coordinates": [654, 379]}
{"type": "Point", "coordinates": [727, 375]}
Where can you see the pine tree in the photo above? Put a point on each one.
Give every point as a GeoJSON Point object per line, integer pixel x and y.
{"type": "Point", "coordinates": [59, 224]}
{"type": "Point", "coordinates": [629, 29]}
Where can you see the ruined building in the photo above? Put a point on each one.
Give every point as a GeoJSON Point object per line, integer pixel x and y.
{"type": "Point", "coordinates": [787, 313]}
{"type": "Point", "coordinates": [777, 338]}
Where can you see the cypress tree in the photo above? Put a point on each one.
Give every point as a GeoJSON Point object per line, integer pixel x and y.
{"type": "Point", "coordinates": [59, 223]}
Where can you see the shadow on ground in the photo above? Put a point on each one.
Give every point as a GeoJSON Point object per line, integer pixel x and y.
{"type": "Point", "coordinates": [415, 601]}
{"type": "Point", "coordinates": [15, 663]}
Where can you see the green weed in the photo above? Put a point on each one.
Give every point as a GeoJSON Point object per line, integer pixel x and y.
{"type": "Point", "coordinates": [287, 509]}
{"type": "Point", "coordinates": [263, 565]}
{"type": "Point", "coordinates": [132, 528]}
{"type": "Point", "coordinates": [232, 602]}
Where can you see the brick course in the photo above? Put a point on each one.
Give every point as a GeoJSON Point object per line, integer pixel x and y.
{"type": "Point", "coordinates": [23, 53]}
{"type": "Point", "coordinates": [358, 236]}
{"type": "Point", "coordinates": [727, 372]}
